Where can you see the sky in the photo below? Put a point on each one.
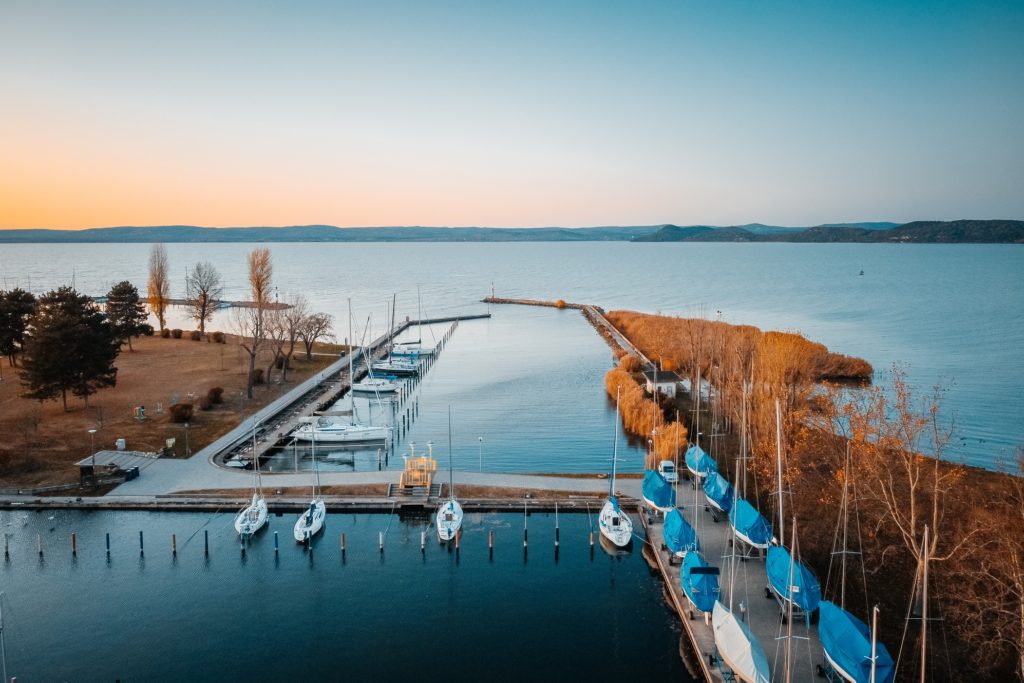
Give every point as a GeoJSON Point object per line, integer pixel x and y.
{"type": "Point", "coordinates": [509, 113]}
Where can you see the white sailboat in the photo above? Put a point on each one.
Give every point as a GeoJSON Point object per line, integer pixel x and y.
{"type": "Point", "coordinates": [311, 522]}
{"type": "Point", "coordinates": [376, 385]}
{"type": "Point", "coordinates": [327, 429]}
{"type": "Point", "coordinates": [449, 513]}
{"type": "Point", "coordinates": [253, 517]}
{"type": "Point", "coordinates": [614, 524]}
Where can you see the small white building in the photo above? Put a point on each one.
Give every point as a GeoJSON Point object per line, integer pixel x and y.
{"type": "Point", "coordinates": [662, 381]}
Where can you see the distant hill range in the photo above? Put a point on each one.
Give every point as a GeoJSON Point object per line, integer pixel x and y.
{"type": "Point", "coordinates": [947, 232]}
{"type": "Point", "coordinates": [963, 231]}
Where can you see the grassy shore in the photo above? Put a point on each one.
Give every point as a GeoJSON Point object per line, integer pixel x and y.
{"type": "Point", "coordinates": [41, 442]}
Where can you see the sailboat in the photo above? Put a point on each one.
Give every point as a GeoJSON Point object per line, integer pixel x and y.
{"type": "Point", "coordinates": [657, 492]}
{"type": "Point", "coordinates": [449, 513]}
{"type": "Point", "coordinates": [449, 517]}
{"type": "Point", "coordinates": [253, 517]}
{"type": "Point", "coordinates": [700, 583]}
{"type": "Point", "coordinates": [718, 493]}
{"type": "Point", "coordinates": [311, 522]}
{"type": "Point", "coordinates": [614, 524]}
{"type": "Point", "coordinates": [680, 538]}
{"type": "Point", "coordinates": [791, 582]}
{"type": "Point", "coordinates": [851, 650]}
{"type": "Point", "coordinates": [699, 462]}
{"type": "Point", "coordinates": [325, 428]}
{"type": "Point", "coordinates": [413, 349]}
{"type": "Point", "coordinates": [750, 526]}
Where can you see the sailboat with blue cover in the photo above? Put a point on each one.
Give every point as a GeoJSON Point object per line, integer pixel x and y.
{"type": "Point", "coordinates": [680, 538]}
{"type": "Point", "coordinates": [750, 525]}
{"type": "Point", "coordinates": [805, 591]}
{"type": "Point", "coordinates": [699, 462]}
{"type": "Point", "coordinates": [700, 583]}
{"type": "Point", "coordinates": [852, 649]}
{"type": "Point", "coordinates": [657, 492]}
{"type": "Point", "coordinates": [719, 493]}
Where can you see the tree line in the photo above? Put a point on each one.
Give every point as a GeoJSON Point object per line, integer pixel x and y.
{"type": "Point", "coordinates": [63, 341]}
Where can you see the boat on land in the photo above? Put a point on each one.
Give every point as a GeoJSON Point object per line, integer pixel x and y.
{"type": "Point", "coordinates": [699, 463]}
{"type": "Point", "coordinates": [700, 583]}
{"type": "Point", "coordinates": [614, 524]}
{"type": "Point", "coordinates": [253, 517]}
{"type": "Point", "coordinates": [657, 492]}
{"type": "Point", "coordinates": [311, 522]}
{"type": "Point", "coordinates": [719, 493]}
{"type": "Point", "coordinates": [738, 646]}
{"type": "Point", "coordinates": [750, 526]}
{"type": "Point", "coordinates": [680, 538]}
{"type": "Point", "coordinates": [449, 513]}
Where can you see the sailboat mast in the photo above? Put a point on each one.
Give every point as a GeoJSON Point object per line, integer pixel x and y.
{"type": "Point", "coordinates": [924, 606]}
{"type": "Point", "coordinates": [778, 457]}
{"type": "Point", "coordinates": [615, 446]}
{"type": "Point", "coordinates": [874, 643]}
{"type": "Point", "coordinates": [846, 522]}
{"type": "Point", "coordinates": [451, 474]}
{"type": "Point", "coordinates": [419, 316]}
{"type": "Point", "coordinates": [789, 607]}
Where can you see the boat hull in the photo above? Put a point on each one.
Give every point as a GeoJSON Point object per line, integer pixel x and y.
{"type": "Point", "coordinates": [252, 518]}
{"type": "Point", "coordinates": [615, 525]}
{"type": "Point", "coordinates": [343, 435]}
{"type": "Point", "coordinates": [449, 520]}
{"type": "Point", "coordinates": [311, 522]}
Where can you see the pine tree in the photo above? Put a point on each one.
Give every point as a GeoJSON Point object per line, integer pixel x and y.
{"type": "Point", "coordinates": [126, 312]}
{"type": "Point", "coordinates": [69, 345]}
{"type": "Point", "coordinates": [16, 307]}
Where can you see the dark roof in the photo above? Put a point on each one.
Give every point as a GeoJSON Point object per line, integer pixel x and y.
{"type": "Point", "coordinates": [663, 376]}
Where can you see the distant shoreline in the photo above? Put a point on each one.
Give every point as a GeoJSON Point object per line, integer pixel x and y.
{"type": "Point", "coordinates": [918, 232]}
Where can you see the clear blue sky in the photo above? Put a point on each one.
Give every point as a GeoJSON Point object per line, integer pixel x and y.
{"type": "Point", "coordinates": [509, 113]}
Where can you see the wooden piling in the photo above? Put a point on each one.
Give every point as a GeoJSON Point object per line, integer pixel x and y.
{"type": "Point", "coordinates": [174, 545]}
{"type": "Point", "coordinates": [206, 542]}
{"type": "Point", "coordinates": [74, 545]}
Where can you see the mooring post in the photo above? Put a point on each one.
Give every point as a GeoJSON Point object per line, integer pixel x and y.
{"type": "Point", "coordinates": [39, 544]}
{"type": "Point", "coordinates": [108, 545]}
{"type": "Point", "coordinates": [556, 525]}
{"type": "Point", "coordinates": [342, 545]}
{"type": "Point", "coordinates": [380, 535]}
{"type": "Point", "coordinates": [7, 548]}
{"type": "Point", "coordinates": [206, 542]}
{"type": "Point", "coordinates": [423, 541]}
{"type": "Point", "coordinates": [74, 545]}
{"type": "Point", "coordinates": [275, 543]}
{"type": "Point", "coordinates": [174, 545]}
{"type": "Point", "coordinates": [458, 536]}
{"type": "Point", "coordinates": [141, 547]}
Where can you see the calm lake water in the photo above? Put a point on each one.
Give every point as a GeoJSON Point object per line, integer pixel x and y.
{"type": "Point", "coordinates": [949, 314]}
{"type": "Point", "coordinates": [401, 615]}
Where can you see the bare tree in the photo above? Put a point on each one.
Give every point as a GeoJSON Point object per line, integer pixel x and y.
{"type": "Point", "coordinates": [251, 321]}
{"type": "Point", "coordinates": [318, 326]}
{"type": "Point", "coordinates": [203, 289]}
{"type": "Point", "coordinates": [276, 338]}
{"type": "Point", "coordinates": [159, 285]}
{"type": "Point", "coordinates": [294, 319]}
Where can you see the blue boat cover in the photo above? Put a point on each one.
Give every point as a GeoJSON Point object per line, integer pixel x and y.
{"type": "Point", "coordinates": [718, 489]}
{"type": "Point", "coordinates": [847, 640]}
{"type": "Point", "coordinates": [700, 582]}
{"type": "Point", "coordinates": [807, 590]}
{"type": "Point", "coordinates": [745, 519]}
{"type": "Point", "coordinates": [679, 535]}
{"type": "Point", "coordinates": [700, 462]}
{"type": "Point", "coordinates": [658, 491]}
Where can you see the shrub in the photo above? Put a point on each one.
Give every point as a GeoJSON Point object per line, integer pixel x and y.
{"type": "Point", "coordinates": [257, 376]}
{"type": "Point", "coordinates": [205, 403]}
{"type": "Point", "coordinates": [218, 337]}
{"type": "Point", "coordinates": [165, 333]}
{"type": "Point", "coordinates": [630, 363]}
{"type": "Point", "coordinates": [147, 330]}
{"type": "Point", "coordinates": [180, 412]}
{"type": "Point", "coordinates": [176, 333]}
{"type": "Point", "coordinates": [195, 335]}
{"type": "Point", "coordinates": [215, 394]}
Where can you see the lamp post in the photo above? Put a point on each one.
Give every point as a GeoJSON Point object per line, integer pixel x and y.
{"type": "Point", "coordinates": [480, 444]}
{"type": "Point", "coordinates": [92, 447]}
{"type": "Point", "coordinates": [188, 451]}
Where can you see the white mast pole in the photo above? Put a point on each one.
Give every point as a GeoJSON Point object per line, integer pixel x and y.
{"type": "Point", "coordinates": [3, 646]}
{"type": "Point", "coordinates": [874, 642]}
{"type": "Point", "coordinates": [778, 456]}
{"type": "Point", "coordinates": [924, 606]}
{"type": "Point", "coordinates": [615, 446]}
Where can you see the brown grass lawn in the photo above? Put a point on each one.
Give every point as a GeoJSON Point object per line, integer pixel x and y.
{"type": "Point", "coordinates": [39, 442]}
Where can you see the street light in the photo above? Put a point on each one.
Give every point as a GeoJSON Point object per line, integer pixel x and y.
{"type": "Point", "coordinates": [92, 446]}
{"type": "Point", "coordinates": [480, 442]}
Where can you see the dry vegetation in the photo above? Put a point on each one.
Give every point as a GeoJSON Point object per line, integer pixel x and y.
{"type": "Point", "coordinates": [977, 568]}
{"type": "Point", "coordinates": [40, 441]}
